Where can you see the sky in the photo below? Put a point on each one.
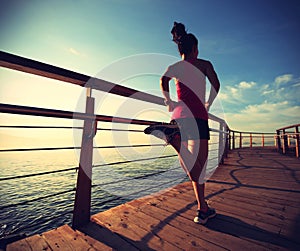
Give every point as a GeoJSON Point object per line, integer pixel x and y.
{"type": "Point", "coordinates": [253, 45]}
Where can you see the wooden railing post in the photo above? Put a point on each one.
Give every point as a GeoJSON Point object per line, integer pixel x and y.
{"type": "Point", "coordinates": [233, 141]}
{"type": "Point", "coordinates": [297, 141]}
{"type": "Point", "coordinates": [250, 140]}
{"type": "Point", "coordinates": [288, 140]}
{"type": "Point", "coordinates": [263, 140]}
{"type": "Point", "coordinates": [82, 204]}
{"type": "Point", "coordinates": [278, 141]}
{"type": "Point", "coordinates": [285, 142]}
{"type": "Point", "coordinates": [241, 145]}
{"type": "Point", "coordinates": [221, 142]}
{"type": "Point", "coordinates": [285, 146]}
{"type": "Point", "coordinates": [227, 140]}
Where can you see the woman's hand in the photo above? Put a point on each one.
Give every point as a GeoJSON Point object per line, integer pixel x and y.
{"type": "Point", "coordinates": [207, 106]}
{"type": "Point", "coordinates": [170, 105]}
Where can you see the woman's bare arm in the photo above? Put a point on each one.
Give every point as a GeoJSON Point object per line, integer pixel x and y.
{"type": "Point", "coordinates": [215, 84]}
{"type": "Point", "coordinates": [164, 85]}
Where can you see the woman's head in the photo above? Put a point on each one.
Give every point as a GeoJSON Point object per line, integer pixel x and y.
{"type": "Point", "coordinates": [186, 42]}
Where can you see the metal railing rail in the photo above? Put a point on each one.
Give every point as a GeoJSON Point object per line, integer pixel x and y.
{"type": "Point", "coordinates": [82, 205]}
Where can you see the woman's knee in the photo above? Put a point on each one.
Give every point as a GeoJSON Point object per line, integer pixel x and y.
{"type": "Point", "coordinates": [195, 173]}
{"type": "Point", "coordinates": [176, 143]}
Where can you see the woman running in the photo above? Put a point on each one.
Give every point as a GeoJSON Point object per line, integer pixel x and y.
{"type": "Point", "coordinates": [188, 131]}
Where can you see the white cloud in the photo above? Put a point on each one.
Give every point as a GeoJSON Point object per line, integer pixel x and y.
{"type": "Point", "coordinates": [246, 85]}
{"type": "Point", "coordinates": [263, 107]}
{"type": "Point", "coordinates": [267, 92]}
{"type": "Point", "coordinates": [265, 87]}
{"type": "Point", "coordinates": [238, 93]}
{"type": "Point", "coordinates": [296, 85]}
{"type": "Point", "coordinates": [264, 117]}
{"type": "Point", "coordinates": [75, 52]}
{"type": "Point", "coordinates": [266, 107]}
{"type": "Point", "coordinates": [223, 96]}
{"type": "Point", "coordinates": [283, 79]}
{"type": "Point", "coordinates": [233, 91]}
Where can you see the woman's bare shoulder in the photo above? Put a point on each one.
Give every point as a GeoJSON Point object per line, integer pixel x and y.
{"type": "Point", "coordinates": [204, 65]}
{"type": "Point", "coordinates": [204, 62]}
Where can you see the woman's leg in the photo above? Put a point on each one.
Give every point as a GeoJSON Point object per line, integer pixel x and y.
{"type": "Point", "coordinates": [193, 156]}
{"type": "Point", "coordinates": [199, 149]}
{"type": "Point", "coordinates": [177, 145]}
{"type": "Point", "coordinates": [187, 159]}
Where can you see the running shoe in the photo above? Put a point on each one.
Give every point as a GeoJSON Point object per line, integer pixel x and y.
{"type": "Point", "coordinates": [202, 217]}
{"type": "Point", "coordinates": [164, 131]}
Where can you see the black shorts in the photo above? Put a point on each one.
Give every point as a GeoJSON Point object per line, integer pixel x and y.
{"type": "Point", "coordinates": [193, 128]}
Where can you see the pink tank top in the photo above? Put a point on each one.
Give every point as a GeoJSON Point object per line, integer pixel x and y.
{"type": "Point", "coordinates": [190, 87]}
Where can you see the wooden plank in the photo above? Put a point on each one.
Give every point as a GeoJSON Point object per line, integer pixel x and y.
{"type": "Point", "coordinates": [258, 176]}
{"type": "Point", "coordinates": [159, 227]}
{"type": "Point", "coordinates": [230, 221]}
{"type": "Point", "coordinates": [74, 239]}
{"type": "Point", "coordinates": [64, 238]}
{"type": "Point", "coordinates": [264, 217]}
{"type": "Point", "coordinates": [195, 230]}
{"type": "Point", "coordinates": [291, 231]}
{"type": "Point", "coordinates": [102, 238]}
{"type": "Point", "coordinates": [188, 214]}
{"type": "Point", "coordinates": [133, 232]}
{"type": "Point", "coordinates": [94, 243]}
{"type": "Point", "coordinates": [276, 197]}
{"type": "Point", "coordinates": [231, 210]}
{"type": "Point", "coordinates": [229, 217]}
{"type": "Point", "coordinates": [178, 236]}
{"type": "Point", "coordinates": [21, 245]}
{"type": "Point", "coordinates": [278, 200]}
{"type": "Point", "coordinates": [37, 242]}
{"type": "Point", "coordinates": [268, 214]}
{"type": "Point", "coordinates": [256, 203]}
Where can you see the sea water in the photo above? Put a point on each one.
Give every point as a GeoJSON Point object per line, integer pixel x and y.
{"type": "Point", "coordinates": [39, 203]}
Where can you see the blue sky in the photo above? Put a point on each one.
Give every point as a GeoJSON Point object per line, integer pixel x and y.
{"type": "Point", "coordinates": [253, 45]}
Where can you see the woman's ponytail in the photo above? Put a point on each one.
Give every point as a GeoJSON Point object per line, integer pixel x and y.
{"type": "Point", "coordinates": [184, 40]}
{"type": "Point", "coordinates": [178, 32]}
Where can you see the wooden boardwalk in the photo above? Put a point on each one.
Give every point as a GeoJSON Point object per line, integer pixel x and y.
{"type": "Point", "coordinates": [256, 194]}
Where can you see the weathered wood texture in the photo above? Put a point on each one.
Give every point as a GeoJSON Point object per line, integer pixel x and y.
{"type": "Point", "coordinates": [256, 194]}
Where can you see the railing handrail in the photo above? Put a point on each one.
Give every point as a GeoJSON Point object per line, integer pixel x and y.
{"type": "Point", "coordinates": [30, 66]}
{"type": "Point", "coordinates": [34, 67]}
{"type": "Point", "coordinates": [288, 127]}
{"type": "Point", "coordinates": [247, 132]}
{"type": "Point", "coordinates": [45, 112]}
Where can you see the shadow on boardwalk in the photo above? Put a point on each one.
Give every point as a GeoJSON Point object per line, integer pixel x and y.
{"type": "Point", "coordinates": [235, 227]}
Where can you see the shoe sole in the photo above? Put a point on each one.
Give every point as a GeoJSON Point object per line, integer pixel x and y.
{"type": "Point", "coordinates": [203, 222]}
{"type": "Point", "coordinates": [161, 128]}
{"type": "Point", "coordinates": [160, 131]}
